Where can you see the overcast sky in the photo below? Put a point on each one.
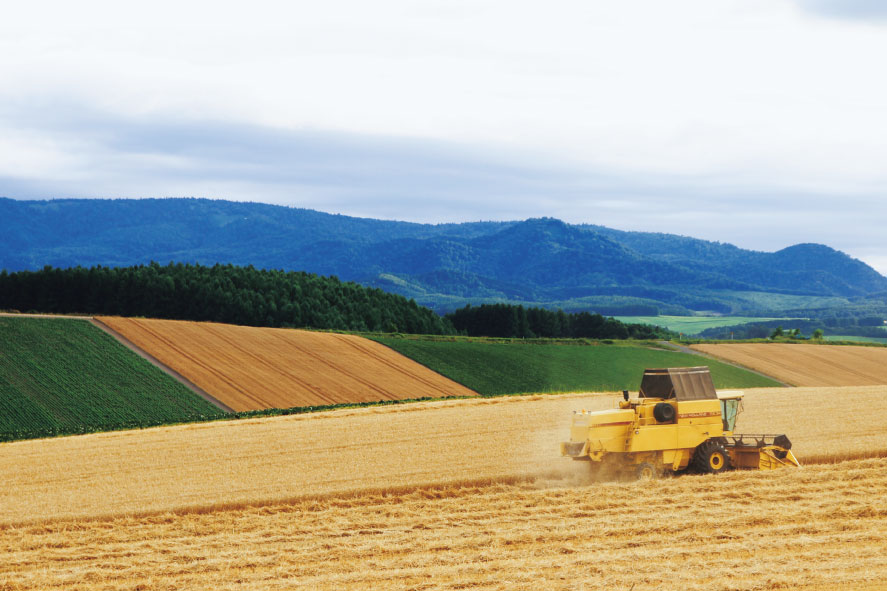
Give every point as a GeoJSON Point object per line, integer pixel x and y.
{"type": "Point", "coordinates": [757, 122]}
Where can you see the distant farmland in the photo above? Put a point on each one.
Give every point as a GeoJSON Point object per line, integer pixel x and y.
{"type": "Point", "coordinates": [67, 376]}
{"type": "Point", "coordinates": [252, 368]}
{"type": "Point", "coordinates": [493, 368]}
{"type": "Point", "coordinates": [691, 325]}
{"type": "Point", "coordinates": [808, 365]}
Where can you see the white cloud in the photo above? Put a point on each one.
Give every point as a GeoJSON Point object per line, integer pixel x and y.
{"type": "Point", "coordinates": [638, 114]}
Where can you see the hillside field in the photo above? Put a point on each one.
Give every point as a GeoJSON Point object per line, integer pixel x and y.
{"type": "Point", "coordinates": [442, 495]}
{"type": "Point", "coordinates": [61, 376]}
{"type": "Point", "coordinates": [251, 368]}
{"type": "Point", "coordinates": [492, 368]}
{"type": "Point", "coordinates": [808, 365]}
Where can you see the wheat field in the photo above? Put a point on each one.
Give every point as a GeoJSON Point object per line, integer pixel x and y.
{"type": "Point", "coordinates": [442, 495]}
{"type": "Point", "coordinates": [808, 365]}
{"type": "Point", "coordinates": [251, 368]}
{"type": "Point", "coordinates": [367, 449]}
{"type": "Point", "coordinates": [816, 528]}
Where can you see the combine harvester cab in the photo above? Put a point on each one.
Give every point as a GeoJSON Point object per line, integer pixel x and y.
{"type": "Point", "coordinates": [678, 421]}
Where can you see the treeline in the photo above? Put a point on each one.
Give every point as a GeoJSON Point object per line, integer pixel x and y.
{"type": "Point", "coordinates": [221, 293]}
{"type": "Point", "coordinates": [506, 320]}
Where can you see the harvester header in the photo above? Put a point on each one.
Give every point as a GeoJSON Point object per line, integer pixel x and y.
{"type": "Point", "coordinates": [677, 422]}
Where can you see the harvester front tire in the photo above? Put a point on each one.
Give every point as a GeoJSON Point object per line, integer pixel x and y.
{"type": "Point", "coordinates": [711, 457]}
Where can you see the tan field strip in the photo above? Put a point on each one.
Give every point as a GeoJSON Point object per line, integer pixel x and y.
{"type": "Point", "coordinates": [815, 529]}
{"type": "Point", "coordinates": [355, 450]}
{"type": "Point", "coordinates": [249, 368]}
{"type": "Point", "coordinates": [808, 365]}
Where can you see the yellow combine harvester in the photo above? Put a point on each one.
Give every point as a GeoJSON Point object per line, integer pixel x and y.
{"type": "Point", "coordinates": [677, 422]}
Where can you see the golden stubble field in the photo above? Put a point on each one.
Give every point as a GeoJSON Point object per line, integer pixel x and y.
{"type": "Point", "coordinates": [449, 494]}
{"type": "Point", "coordinates": [808, 365]}
{"type": "Point", "coordinates": [819, 528]}
{"type": "Point", "coordinates": [250, 368]}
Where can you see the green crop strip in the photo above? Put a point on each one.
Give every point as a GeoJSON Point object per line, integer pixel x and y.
{"type": "Point", "coordinates": [67, 376]}
{"type": "Point", "coordinates": [491, 368]}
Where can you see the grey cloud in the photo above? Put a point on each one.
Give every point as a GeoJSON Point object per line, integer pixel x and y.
{"type": "Point", "coordinates": [417, 180]}
{"type": "Point", "coordinates": [849, 9]}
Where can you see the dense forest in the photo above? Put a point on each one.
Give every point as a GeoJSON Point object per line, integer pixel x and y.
{"type": "Point", "coordinates": [221, 293]}
{"type": "Point", "coordinates": [254, 297]}
{"type": "Point", "coordinates": [505, 320]}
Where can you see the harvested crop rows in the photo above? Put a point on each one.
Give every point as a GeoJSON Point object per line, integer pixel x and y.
{"type": "Point", "coordinates": [442, 495]}
{"type": "Point", "coordinates": [814, 529]}
{"type": "Point", "coordinates": [808, 365]}
{"type": "Point", "coordinates": [249, 368]}
{"type": "Point", "coordinates": [355, 450]}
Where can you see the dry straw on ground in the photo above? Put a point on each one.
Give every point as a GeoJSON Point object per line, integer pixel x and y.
{"type": "Point", "coordinates": [808, 365]}
{"type": "Point", "coordinates": [355, 450]}
{"type": "Point", "coordinates": [294, 503]}
{"type": "Point", "coordinates": [811, 529]}
{"type": "Point", "coordinates": [249, 368]}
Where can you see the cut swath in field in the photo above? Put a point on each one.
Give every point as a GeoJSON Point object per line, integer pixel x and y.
{"type": "Point", "coordinates": [816, 529]}
{"type": "Point", "coordinates": [355, 450]}
{"type": "Point", "coordinates": [249, 368]}
{"type": "Point", "coordinates": [808, 365]}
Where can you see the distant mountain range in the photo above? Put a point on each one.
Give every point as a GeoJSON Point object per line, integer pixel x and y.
{"type": "Point", "coordinates": [537, 261]}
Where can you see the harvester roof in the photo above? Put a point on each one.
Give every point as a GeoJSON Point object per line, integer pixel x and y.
{"type": "Point", "coordinates": [681, 383]}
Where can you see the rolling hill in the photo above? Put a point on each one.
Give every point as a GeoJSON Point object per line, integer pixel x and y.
{"type": "Point", "coordinates": [541, 261]}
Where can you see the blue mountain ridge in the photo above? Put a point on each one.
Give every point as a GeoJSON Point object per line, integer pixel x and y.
{"type": "Point", "coordinates": [543, 261]}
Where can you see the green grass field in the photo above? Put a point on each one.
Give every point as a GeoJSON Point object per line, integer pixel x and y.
{"type": "Point", "coordinates": [67, 376]}
{"type": "Point", "coordinates": [492, 368]}
{"type": "Point", "coordinates": [881, 340]}
{"type": "Point", "coordinates": [691, 325]}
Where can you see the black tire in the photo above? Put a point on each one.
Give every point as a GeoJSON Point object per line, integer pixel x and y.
{"type": "Point", "coordinates": [711, 457]}
{"type": "Point", "coordinates": [663, 412]}
{"type": "Point", "coordinates": [646, 471]}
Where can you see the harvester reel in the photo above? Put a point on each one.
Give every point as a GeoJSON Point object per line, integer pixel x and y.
{"type": "Point", "coordinates": [711, 457]}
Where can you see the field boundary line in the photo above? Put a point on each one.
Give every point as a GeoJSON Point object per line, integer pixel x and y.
{"type": "Point", "coordinates": [50, 316]}
{"type": "Point", "coordinates": [365, 346]}
{"type": "Point", "coordinates": [159, 364]}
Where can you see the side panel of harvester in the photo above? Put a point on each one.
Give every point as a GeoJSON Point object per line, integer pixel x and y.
{"type": "Point", "coordinates": [677, 419]}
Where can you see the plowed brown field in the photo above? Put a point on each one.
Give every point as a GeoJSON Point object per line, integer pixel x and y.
{"type": "Point", "coordinates": [477, 499]}
{"type": "Point", "coordinates": [249, 368]}
{"type": "Point", "coordinates": [808, 365]}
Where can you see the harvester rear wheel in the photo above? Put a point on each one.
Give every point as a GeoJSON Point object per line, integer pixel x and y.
{"type": "Point", "coordinates": [647, 471]}
{"type": "Point", "coordinates": [711, 457]}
